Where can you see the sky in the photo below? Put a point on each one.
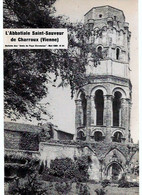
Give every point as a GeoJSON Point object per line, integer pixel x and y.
{"type": "Point", "coordinates": [62, 106]}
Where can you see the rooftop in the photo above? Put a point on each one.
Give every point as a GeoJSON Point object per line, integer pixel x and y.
{"type": "Point", "coordinates": [22, 127]}
{"type": "Point", "coordinates": [105, 6]}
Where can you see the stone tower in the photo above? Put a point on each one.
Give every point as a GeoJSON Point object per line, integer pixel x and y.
{"type": "Point", "coordinates": [103, 105]}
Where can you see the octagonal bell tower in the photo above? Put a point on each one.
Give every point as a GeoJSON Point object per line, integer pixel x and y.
{"type": "Point", "coordinates": [103, 105]}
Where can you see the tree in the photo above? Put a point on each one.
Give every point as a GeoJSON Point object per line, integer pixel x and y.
{"type": "Point", "coordinates": [23, 175]}
{"type": "Point", "coordinates": [27, 72]}
{"type": "Point", "coordinates": [30, 14]}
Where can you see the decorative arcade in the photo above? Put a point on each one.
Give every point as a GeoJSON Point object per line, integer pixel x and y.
{"type": "Point", "coordinates": [103, 106]}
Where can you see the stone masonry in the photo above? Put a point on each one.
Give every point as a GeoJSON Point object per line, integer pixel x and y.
{"type": "Point", "coordinates": [111, 77]}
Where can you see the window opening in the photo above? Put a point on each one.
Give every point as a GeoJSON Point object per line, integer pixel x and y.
{"type": "Point", "coordinates": [99, 50]}
{"type": "Point", "coordinates": [81, 136]}
{"type": "Point", "coordinates": [116, 108]}
{"type": "Point", "coordinates": [100, 15]}
{"type": "Point", "coordinates": [99, 102]}
{"type": "Point", "coordinates": [117, 137]}
{"type": "Point", "coordinates": [117, 53]}
{"type": "Point", "coordinates": [98, 136]}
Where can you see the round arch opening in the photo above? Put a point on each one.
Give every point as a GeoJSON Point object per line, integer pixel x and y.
{"type": "Point", "coordinates": [117, 137]}
{"type": "Point", "coordinates": [98, 136]}
{"type": "Point", "coordinates": [99, 103]}
{"type": "Point", "coordinates": [117, 109]}
{"type": "Point", "coordinates": [81, 136]}
{"type": "Point", "coordinates": [100, 50]}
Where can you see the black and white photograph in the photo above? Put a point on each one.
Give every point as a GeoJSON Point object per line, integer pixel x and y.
{"type": "Point", "coordinates": [71, 97]}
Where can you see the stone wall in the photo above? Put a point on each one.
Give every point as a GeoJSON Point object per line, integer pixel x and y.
{"type": "Point", "coordinates": [21, 140]}
{"type": "Point", "coordinates": [101, 12]}
{"type": "Point", "coordinates": [102, 156]}
{"type": "Point", "coordinates": [50, 151]}
{"type": "Point", "coordinates": [27, 137]}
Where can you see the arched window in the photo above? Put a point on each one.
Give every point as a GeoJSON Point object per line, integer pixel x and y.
{"type": "Point", "coordinates": [117, 53]}
{"type": "Point", "coordinates": [115, 17]}
{"type": "Point", "coordinates": [98, 136]}
{"type": "Point", "coordinates": [117, 137]}
{"type": "Point", "coordinates": [99, 50]}
{"type": "Point", "coordinates": [99, 102]}
{"type": "Point", "coordinates": [81, 136]}
{"type": "Point", "coordinates": [84, 106]}
{"type": "Point", "coordinates": [116, 108]}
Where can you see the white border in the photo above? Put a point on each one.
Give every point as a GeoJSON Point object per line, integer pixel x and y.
{"type": "Point", "coordinates": [1, 97]}
{"type": "Point", "coordinates": [1, 105]}
{"type": "Point", "coordinates": [140, 88]}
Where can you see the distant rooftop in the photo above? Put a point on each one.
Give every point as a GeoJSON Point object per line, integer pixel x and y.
{"type": "Point", "coordinates": [22, 127]}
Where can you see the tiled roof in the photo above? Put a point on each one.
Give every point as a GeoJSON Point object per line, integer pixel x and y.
{"type": "Point", "coordinates": [21, 127]}
{"type": "Point", "coordinates": [69, 133]}
{"type": "Point", "coordinates": [12, 126]}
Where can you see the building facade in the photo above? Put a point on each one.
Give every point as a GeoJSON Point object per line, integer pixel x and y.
{"type": "Point", "coordinates": [103, 106]}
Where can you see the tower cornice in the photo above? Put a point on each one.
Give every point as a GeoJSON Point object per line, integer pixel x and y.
{"type": "Point", "coordinates": [104, 6]}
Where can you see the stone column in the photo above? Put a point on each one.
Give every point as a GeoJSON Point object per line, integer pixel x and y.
{"type": "Point", "coordinates": [123, 112]}
{"type": "Point", "coordinates": [78, 116]}
{"type": "Point", "coordinates": [108, 115]}
{"type": "Point", "coordinates": [93, 111]}
{"type": "Point", "coordinates": [127, 125]}
{"type": "Point", "coordinates": [125, 116]}
{"type": "Point", "coordinates": [88, 117]}
{"type": "Point", "coordinates": [120, 116]}
{"type": "Point", "coordinates": [129, 134]}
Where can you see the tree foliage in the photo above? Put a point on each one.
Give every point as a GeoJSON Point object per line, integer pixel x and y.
{"type": "Point", "coordinates": [67, 169]}
{"type": "Point", "coordinates": [27, 175]}
{"type": "Point", "coordinates": [27, 72]}
{"type": "Point", "coordinates": [25, 178]}
{"type": "Point", "coordinates": [30, 14]}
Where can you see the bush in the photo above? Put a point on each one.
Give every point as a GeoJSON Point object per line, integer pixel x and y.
{"type": "Point", "coordinates": [123, 183]}
{"type": "Point", "coordinates": [82, 189]}
{"type": "Point", "coordinates": [62, 168]}
{"type": "Point", "coordinates": [134, 184]}
{"type": "Point", "coordinates": [105, 183]}
{"type": "Point", "coordinates": [25, 175]}
{"type": "Point", "coordinates": [126, 184]}
{"type": "Point", "coordinates": [100, 191]}
{"type": "Point", "coordinates": [82, 165]}
{"type": "Point", "coordinates": [63, 187]}
{"type": "Point", "coordinates": [19, 165]}
{"type": "Point", "coordinates": [67, 169]}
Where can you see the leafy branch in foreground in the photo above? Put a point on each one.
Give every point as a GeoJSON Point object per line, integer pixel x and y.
{"type": "Point", "coordinates": [27, 72]}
